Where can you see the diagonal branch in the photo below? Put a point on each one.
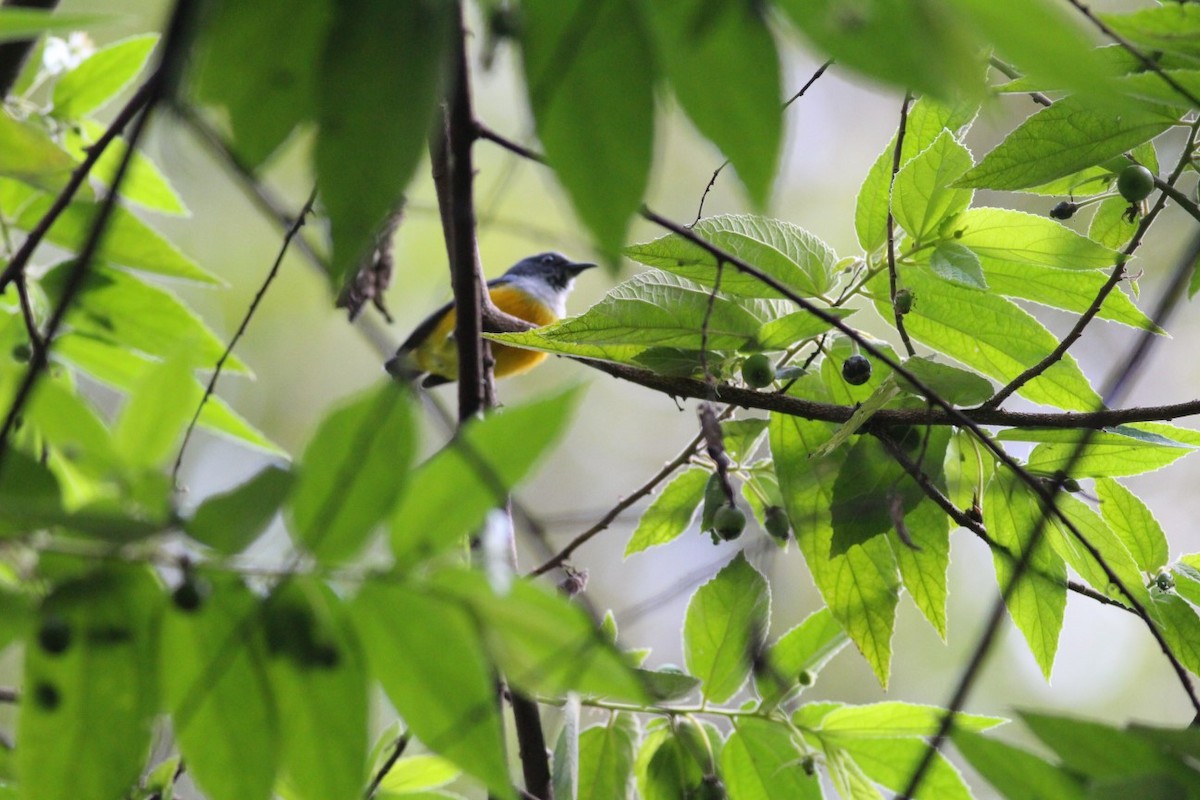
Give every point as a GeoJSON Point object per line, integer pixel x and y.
{"type": "Point", "coordinates": [891, 226]}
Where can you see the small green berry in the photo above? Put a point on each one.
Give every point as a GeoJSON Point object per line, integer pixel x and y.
{"type": "Point", "coordinates": [55, 635]}
{"type": "Point", "coordinates": [806, 678]}
{"type": "Point", "coordinates": [856, 370]}
{"type": "Point", "coordinates": [904, 301]}
{"type": "Point", "coordinates": [729, 522]}
{"type": "Point", "coordinates": [757, 371]}
{"type": "Point", "coordinates": [775, 520]}
{"type": "Point", "coordinates": [1135, 183]}
{"type": "Point", "coordinates": [1165, 581]}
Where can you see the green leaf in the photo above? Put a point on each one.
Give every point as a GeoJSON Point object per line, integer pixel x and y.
{"type": "Point", "coordinates": [427, 652]}
{"type": "Point", "coordinates": [1110, 453]}
{"type": "Point", "coordinates": [127, 240]}
{"type": "Point", "coordinates": [565, 759]}
{"type": "Point", "coordinates": [265, 81]}
{"type": "Point", "coordinates": [120, 308]}
{"type": "Point", "coordinates": [351, 472]}
{"type": "Point", "coordinates": [1066, 137]}
{"type": "Point", "coordinates": [958, 264]}
{"type": "Point", "coordinates": [1171, 28]}
{"type": "Point", "coordinates": [1133, 522]}
{"type": "Point", "coordinates": [323, 700]}
{"type": "Point", "coordinates": [668, 685]}
{"type": "Point", "coordinates": [1098, 751]}
{"type": "Point", "coordinates": [927, 118]}
{"type": "Point", "coordinates": [103, 681]}
{"type": "Point", "coordinates": [143, 182]}
{"type": "Point", "coordinates": [25, 23]}
{"type": "Point", "coordinates": [225, 719]}
{"type": "Point", "coordinates": [892, 762]}
{"type": "Point", "coordinates": [606, 758]}
{"type": "Point", "coordinates": [921, 45]}
{"type": "Point", "coordinates": [1011, 513]}
{"type": "Point", "coordinates": [1111, 225]}
{"type": "Point", "coordinates": [154, 415]}
{"type": "Point", "coordinates": [954, 385]}
{"type": "Point", "coordinates": [1006, 235]}
{"type": "Point", "coordinates": [806, 647]}
{"type": "Point", "coordinates": [1112, 552]}
{"type": "Point", "coordinates": [726, 618]}
{"type": "Point", "coordinates": [598, 133]}
{"type": "Point", "coordinates": [861, 586]}
{"type": "Point", "coordinates": [788, 253]}
{"type": "Point", "coordinates": [364, 159]}
{"type": "Point", "coordinates": [923, 566]}
{"type": "Point", "coordinates": [652, 309]}
{"type": "Point", "coordinates": [231, 521]}
{"type": "Point", "coordinates": [449, 495]}
{"type": "Point", "coordinates": [1180, 627]}
{"type": "Point", "coordinates": [542, 643]}
{"type": "Point", "coordinates": [896, 719]}
{"type": "Point", "coordinates": [1015, 772]}
{"type": "Point", "coordinates": [28, 154]}
{"type": "Point", "coordinates": [760, 761]}
{"type": "Point", "coordinates": [1068, 289]}
{"type": "Point", "coordinates": [101, 77]}
{"type": "Point", "coordinates": [121, 369]}
{"type": "Point", "coordinates": [671, 512]}
{"type": "Point", "coordinates": [722, 64]}
{"type": "Point", "coordinates": [742, 437]}
{"type": "Point", "coordinates": [783, 332]}
{"type": "Point", "coordinates": [419, 773]}
{"type": "Point", "coordinates": [672, 761]}
{"type": "Point", "coordinates": [922, 196]}
{"type": "Point", "coordinates": [989, 334]}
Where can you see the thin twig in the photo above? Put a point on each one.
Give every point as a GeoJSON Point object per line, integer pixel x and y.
{"type": "Point", "coordinates": [1115, 276]}
{"type": "Point", "coordinates": [891, 226]}
{"type": "Point", "coordinates": [30, 319]}
{"type": "Point", "coordinates": [258, 298]}
{"type": "Point", "coordinates": [141, 99]}
{"type": "Point", "coordinates": [708, 309]}
{"type": "Point", "coordinates": [398, 748]}
{"type": "Point", "coordinates": [1179, 197]}
{"type": "Point", "coordinates": [1010, 72]}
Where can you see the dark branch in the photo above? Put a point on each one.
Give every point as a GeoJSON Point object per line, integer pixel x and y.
{"type": "Point", "coordinates": [891, 227]}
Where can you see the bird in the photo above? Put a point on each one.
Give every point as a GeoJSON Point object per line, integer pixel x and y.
{"type": "Point", "coordinates": [534, 289]}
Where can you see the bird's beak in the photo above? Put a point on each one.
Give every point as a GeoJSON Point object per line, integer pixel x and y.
{"type": "Point", "coordinates": [579, 266]}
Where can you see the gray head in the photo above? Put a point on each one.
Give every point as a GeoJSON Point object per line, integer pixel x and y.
{"type": "Point", "coordinates": [555, 269]}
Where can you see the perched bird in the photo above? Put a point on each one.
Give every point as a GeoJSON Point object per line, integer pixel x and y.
{"type": "Point", "coordinates": [534, 289]}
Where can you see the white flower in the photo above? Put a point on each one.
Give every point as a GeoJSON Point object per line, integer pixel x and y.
{"type": "Point", "coordinates": [61, 55]}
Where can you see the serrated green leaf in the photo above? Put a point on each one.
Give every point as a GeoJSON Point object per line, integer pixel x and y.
{"type": "Point", "coordinates": [1110, 453]}
{"type": "Point", "coordinates": [671, 512]}
{"type": "Point", "coordinates": [861, 586]}
{"type": "Point", "coordinates": [789, 254]}
{"type": "Point", "coordinates": [1170, 28]}
{"type": "Point", "coordinates": [364, 159]}
{"type": "Point", "coordinates": [595, 110]}
{"type": "Point", "coordinates": [760, 760]}
{"type": "Point", "coordinates": [724, 617]}
{"type": "Point", "coordinates": [992, 335]}
{"type": "Point", "coordinates": [788, 330]}
{"type": "Point", "coordinates": [239, 761]}
{"type": "Point", "coordinates": [958, 264]}
{"type": "Point", "coordinates": [1011, 514]}
{"type": "Point", "coordinates": [229, 522]}
{"type": "Point", "coordinates": [449, 496]}
{"type": "Point", "coordinates": [892, 762]}
{"type": "Point", "coordinates": [127, 240]}
{"type": "Point", "coordinates": [667, 685]}
{"type": "Point", "coordinates": [668, 766]}
{"type": "Point", "coordinates": [1064, 138]}
{"type": "Point", "coordinates": [653, 309]}
{"type": "Point", "coordinates": [606, 755]}
{"type": "Point", "coordinates": [927, 118]}
{"type": "Point", "coordinates": [28, 155]}
{"type": "Point", "coordinates": [741, 437]}
{"type": "Point", "coordinates": [924, 565]}
{"type": "Point", "coordinates": [1180, 626]}
{"type": "Point", "coordinates": [1112, 225]}
{"type": "Point", "coordinates": [101, 76]}
{"type": "Point", "coordinates": [154, 415]}
{"type": "Point", "coordinates": [1068, 289]}
{"type": "Point", "coordinates": [1015, 772]}
{"type": "Point", "coordinates": [1101, 752]}
{"type": "Point", "coordinates": [1007, 235]}
{"type": "Point", "coordinates": [121, 369]}
{"type": "Point", "coordinates": [542, 642]}
{"type": "Point", "coordinates": [1112, 552]}
{"type": "Point", "coordinates": [143, 182]}
{"type": "Point", "coordinates": [124, 310]}
{"type": "Point", "coordinates": [103, 680]}
{"type": "Point", "coordinates": [808, 646]}
{"type": "Point", "coordinates": [724, 70]}
{"type": "Point", "coordinates": [324, 742]}
{"type": "Point", "coordinates": [427, 652]}
{"type": "Point", "coordinates": [922, 197]}
{"type": "Point", "coordinates": [351, 473]}
{"type": "Point", "coordinates": [265, 82]}
{"type": "Point", "coordinates": [1133, 522]}
{"type": "Point", "coordinates": [958, 386]}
